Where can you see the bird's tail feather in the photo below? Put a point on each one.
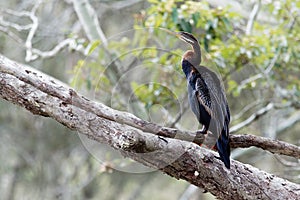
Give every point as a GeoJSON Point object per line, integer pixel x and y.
{"type": "Point", "coordinates": [223, 147]}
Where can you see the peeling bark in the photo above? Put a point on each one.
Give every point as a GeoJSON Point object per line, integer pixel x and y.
{"type": "Point", "coordinates": [137, 139]}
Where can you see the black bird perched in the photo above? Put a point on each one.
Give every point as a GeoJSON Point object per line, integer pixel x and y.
{"type": "Point", "coordinates": [206, 97]}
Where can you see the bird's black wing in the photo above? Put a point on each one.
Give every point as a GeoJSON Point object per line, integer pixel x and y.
{"type": "Point", "coordinates": [211, 95]}
{"type": "Point", "coordinates": [196, 88]}
{"type": "Point", "coordinates": [218, 107]}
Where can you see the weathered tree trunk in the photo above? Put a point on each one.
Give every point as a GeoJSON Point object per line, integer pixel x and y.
{"type": "Point", "coordinates": [134, 138]}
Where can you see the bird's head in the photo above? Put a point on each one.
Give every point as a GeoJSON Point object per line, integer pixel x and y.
{"type": "Point", "coordinates": [193, 56]}
{"type": "Point", "coordinates": [188, 38]}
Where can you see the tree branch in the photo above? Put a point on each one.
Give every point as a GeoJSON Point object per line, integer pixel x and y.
{"type": "Point", "coordinates": [43, 95]}
{"type": "Point", "coordinates": [67, 94]}
{"type": "Point", "coordinates": [31, 52]}
{"type": "Point", "coordinates": [254, 116]}
{"type": "Point", "coordinates": [89, 20]}
{"type": "Point", "coordinates": [252, 17]}
{"type": "Point", "coordinates": [34, 27]}
{"type": "Point", "coordinates": [273, 146]}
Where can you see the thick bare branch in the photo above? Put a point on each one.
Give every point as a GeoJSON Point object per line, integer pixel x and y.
{"type": "Point", "coordinates": [43, 95]}
{"type": "Point", "coordinates": [67, 94]}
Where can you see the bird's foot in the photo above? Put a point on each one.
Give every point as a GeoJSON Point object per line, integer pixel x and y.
{"type": "Point", "coordinates": [219, 158]}
{"type": "Point", "coordinates": [204, 132]}
{"type": "Point", "coordinates": [162, 138]}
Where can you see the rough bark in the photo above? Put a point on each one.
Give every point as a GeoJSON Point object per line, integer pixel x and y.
{"type": "Point", "coordinates": [137, 139]}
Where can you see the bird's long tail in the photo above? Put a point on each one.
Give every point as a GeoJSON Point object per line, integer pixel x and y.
{"type": "Point", "coordinates": [223, 146]}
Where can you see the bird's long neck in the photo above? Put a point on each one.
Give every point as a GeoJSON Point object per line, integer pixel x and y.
{"type": "Point", "coordinates": [197, 55]}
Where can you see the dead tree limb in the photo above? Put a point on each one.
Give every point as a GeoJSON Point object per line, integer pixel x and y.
{"type": "Point", "coordinates": [137, 139]}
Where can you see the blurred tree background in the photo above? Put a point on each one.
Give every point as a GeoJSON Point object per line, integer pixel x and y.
{"type": "Point", "coordinates": [117, 52]}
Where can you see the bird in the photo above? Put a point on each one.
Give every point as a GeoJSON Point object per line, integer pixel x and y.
{"type": "Point", "coordinates": [207, 98]}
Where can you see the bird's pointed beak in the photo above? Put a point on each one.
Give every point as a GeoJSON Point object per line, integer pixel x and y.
{"type": "Point", "coordinates": [180, 35]}
{"type": "Point", "coordinates": [177, 34]}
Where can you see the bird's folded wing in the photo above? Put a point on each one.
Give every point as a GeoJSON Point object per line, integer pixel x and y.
{"type": "Point", "coordinates": [210, 94]}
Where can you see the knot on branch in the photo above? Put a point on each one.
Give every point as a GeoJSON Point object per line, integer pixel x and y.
{"type": "Point", "coordinates": [135, 145]}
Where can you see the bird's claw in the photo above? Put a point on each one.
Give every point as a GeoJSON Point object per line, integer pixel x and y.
{"type": "Point", "coordinates": [219, 158]}
{"type": "Point", "coordinates": [162, 138]}
{"type": "Point", "coordinates": [201, 132]}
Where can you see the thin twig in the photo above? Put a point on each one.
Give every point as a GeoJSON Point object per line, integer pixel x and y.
{"type": "Point", "coordinates": [11, 34]}
{"type": "Point", "coordinates": [18, 27]}
{"type": "Point", "coordinates": [70, 42]}
{"type": "Point", "coordinates": [288, 122]}
{"type": "Point", "coordinates": [35, 23]}
{"type": "Point", "coordinates": [253, 117]}
{"type": "Point", "coordinates": [189, 191]}
{"type": "Point", "coordinates": [287, 163]}
{"type": "Point", "coordinates": [31, 52]}
{"type": "Point", "coordinates": [252, 17]}
{"type": "Point", "coordinates": [179, 115]}
{"type": "Point", "coordinates": [245, 109]}
{"type": "Point", "coordinates": [264, 73]}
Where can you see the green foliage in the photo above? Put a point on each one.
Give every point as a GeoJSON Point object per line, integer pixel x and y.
{"type": "Point", "coordinates": [154, 93]}
{"type": "Point", "coordinates": [93, 46]}
{"type": "Point", "coordinates": [265, 59]}
{"type": "Point", "coordinates": [232, 50]}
